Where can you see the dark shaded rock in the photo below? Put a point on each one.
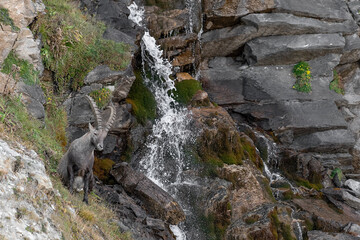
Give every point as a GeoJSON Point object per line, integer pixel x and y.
{"type": "Point", "coordinates": [132, 217]}
{"type": "Point", "coordinates": [33, 97]}
{"type": "Point", "coordinates": [118, 36]}
{"type": "Point", "coordinates": [287, 24]}
{"type": "Point", "coordinates": [319, 235]}
{"type": "Point", "coordinates": [334, 160]}
{"type": "Point", "coordinates": [222, 81]}
{"type": "Point", "coordinates": [155, 200]}
{"type": "Point", "coordinates": [104, 75]}
{"type": "Point", "coordinates": [334, 10]}
{"type": "Point", "coordinates": [291, 49]}
{"type": "Point", "coordinates": [351, 50]}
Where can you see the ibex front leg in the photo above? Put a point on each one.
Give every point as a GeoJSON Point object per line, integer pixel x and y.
{"type": "Point", "coordinates": [71, 178]}
{"type": "Point", "coordinates": [87, 179]}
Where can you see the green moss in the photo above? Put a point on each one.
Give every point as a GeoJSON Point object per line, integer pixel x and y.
{"type": "Point", "coordinates": [288, 195]}
{"type": "Point", "coordinates": [101, 97]}
{"type": "Point", "coordinates": [336, 84]}
{"type": "Point", "coordinates": [73, 44]}
{"type": "Point", "coordinates": [303, 77]}
{"type": "Point", "coordinates": [185, 90]}
{"type": "Point", "coordinates": [309, 224]}
{"type": "Point", "coordinates": [102, 168]}
{"type": "Point", "coordinates": [252, 219]}
{"type": "Point", "coordinates": [5, 19]}
{"type": "Point", "coordinates": [303, 182]}
{"type": "Point", "coordinates": [25, 71]}
{"type": "Point", "coordinates": [214, 227]}
{"type": "Point", "coordinates": [142, 100]}
{"type": "Point", "coordinates": [250, 152]}
{"type": "Point", "coordinates": [337, 172]}
{"type": "Point", "coordinates": [266, 186]}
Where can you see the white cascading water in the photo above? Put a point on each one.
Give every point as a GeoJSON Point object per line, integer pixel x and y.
{"type": "Point", "coordinates": [171, 129]}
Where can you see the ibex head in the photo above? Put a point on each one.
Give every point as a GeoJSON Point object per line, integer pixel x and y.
{"type": "Point", "coordinates": [97, 135]}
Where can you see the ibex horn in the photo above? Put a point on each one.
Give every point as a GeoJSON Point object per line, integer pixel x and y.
{"type": "Point", "coordinates": [111, 118]}
{"type": "Point", "coordinates": [96, 111]}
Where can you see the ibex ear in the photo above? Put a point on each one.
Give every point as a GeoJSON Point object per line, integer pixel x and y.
{"type": "Point", "coordinates": [91, 128]}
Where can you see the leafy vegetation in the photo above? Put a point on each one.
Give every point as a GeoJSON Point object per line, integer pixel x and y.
{"type": "Point", "coordinates": [6, 19]}
{"type": "Point", "coordinates": [23, 70]}
{"type": "Point", "coordinates": [303, 77]}
{"type": "Point", "coordinates": [142, 100]}
{"type": "Point", "coordinates": [101, 97]}
{"type": "Point", "coordinates": [73, 44]}
{"type": "Point", "coordinates": [185, 90]}
{"type": "Point", "coordinates": [279, 228]}
{"type": "Point", "coordinates": [337, 84]}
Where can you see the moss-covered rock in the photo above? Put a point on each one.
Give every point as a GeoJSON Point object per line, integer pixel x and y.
{"type": "Point", "coordinates": [142, 100]}
{"type": "Point", "coordinates": [185, 90]}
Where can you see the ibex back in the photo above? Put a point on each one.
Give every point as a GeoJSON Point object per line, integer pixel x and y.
{"type": "Point", "coordinates": [77, 163]}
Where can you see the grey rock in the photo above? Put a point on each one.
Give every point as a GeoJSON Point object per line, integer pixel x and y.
{"type": "Point", "coordinates": [156, 201]}
{"type": "Point", "coordinates": [33, 97]}
{"type": "Point", "coordinates": [122, 88]}
{"type": "Point", "coordinates": [319, 235]}
{"type": "Point", "coordinates": [353, 185]}
{"type": "Point", "coordinates": [339, 179]}
{"type": "Point", "coordinates": [226, 41]}
{"type": "Point", "coordinates": [334, 10]}
{"type": "Point", "coordinates": [328, 141]}
{"type": "Point", "coordinates": [334, 160]}
{"type": "Point", "coordinates": [118, 36]}
{"type": "Point", "coordinates": [288, 24]}
{"type": "Point", "coordinates": [104, 75]}
{"type": "Point", "coordinates": [354, 7]}
{"type": "Point", "coordinates": [78, 111]}
{"type": "Point", "coordinates": [277, 50]}
{"type": "Point", "coordinates": [352, 49]}
{"type": "Point", "coordinates": [353, 229]}
{"type": "Point", "coordinates": [343, 196]}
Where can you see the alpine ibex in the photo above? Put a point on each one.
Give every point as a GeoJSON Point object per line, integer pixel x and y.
{"type": "Point", "coordinates": [79, 159]}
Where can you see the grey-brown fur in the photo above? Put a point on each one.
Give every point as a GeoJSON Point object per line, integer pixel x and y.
{"type": "Point", "coordinates": [78, 161]}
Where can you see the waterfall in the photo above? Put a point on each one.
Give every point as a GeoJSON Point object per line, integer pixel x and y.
{"type": "Point", "coordinates": [163, 161]}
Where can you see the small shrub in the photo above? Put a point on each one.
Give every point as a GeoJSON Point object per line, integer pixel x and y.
{"type": "Point", "coordinates": [101, 97]}
{"type": "Point", "coordinates": [185, 90]}
{"type": "Point", "coordinates": [142, 100]}
{"type": "Point", "coordinates": [102, 168]}
{"type": "Point", "coordinates": [86, 215]}
{"type": "Point", "coordinates": [303, 77]}
{"type": "Point", "coordinates": [25, 70]}
{"type": "Point", "coordinates": [303, 182]}
{"type": "Point", "coordinates": [6, 19]}
{"type": "Point", "coordinates": [337, 84]}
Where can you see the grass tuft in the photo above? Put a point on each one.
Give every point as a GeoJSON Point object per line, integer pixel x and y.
{"type": "Point", "coordinates": [73, 44]}
{"type": "Point", "coordinates": [337, 84]}
{"type": "Point", "coordinates": [6, 20]}
{"type": "Point", "coordinates": [101, 97]}
{"type": "Point", "coordinates": [303, 77]}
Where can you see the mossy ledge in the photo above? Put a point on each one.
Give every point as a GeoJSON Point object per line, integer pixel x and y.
{"type": "Point", "coordinates": [185, 90]}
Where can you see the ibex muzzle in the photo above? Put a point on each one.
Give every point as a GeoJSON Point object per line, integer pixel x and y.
{"type": "Point", "coordinates": [78, 161]}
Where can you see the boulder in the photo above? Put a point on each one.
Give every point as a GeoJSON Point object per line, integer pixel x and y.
{"type": "Point", "coordinates": [352, 49]}
{"type": "Point", "coordinates": [353, 229]}
{"type": "Point", "coordinates": [288, 24]}
{"type": "Point", "coordinates": [275, 50]}
{"type": "Point", "coordinates": [104, 75]}
{"type": "Point", "coordinates": [156, 201]}
{"type": "Point", "coordinates": [319, 235]}
{"type": "Point", "coordinates": [331, 10]}
{"type": "Point", "coordinates": [354, 186]}
{"type": "Point", "coordinates": [343, 196]}
{"type": "Point", "coordinates": [7, 40]}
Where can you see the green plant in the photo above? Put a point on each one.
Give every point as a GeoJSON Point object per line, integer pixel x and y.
{"type": "Point", "coordinates": [185, 90]}
{"type": "Point", "coordinates": [73, 44]}
{"type": "Point", "coordinates": [101, 97]}
{"type": "Point", "coordinates": [24, 70]}
{"type": "Point", "coordinates": [336, 84]}
{"type": "Point", "coordinates": [303, 77]}
{"type": "Point", "coordinates": [142, 100]}
{"type": "Point", "coordinates": [6, 19]}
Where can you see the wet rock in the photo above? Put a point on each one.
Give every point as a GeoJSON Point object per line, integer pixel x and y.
{"type": "Point", "coordinates": [287, 24]}
{"type": "Point", "coordinates": [351, 50]}
{"type": "Point", "coordinates": [291, 49]}
{"type": "Point", "coordinates": [319, 235]}
{"type": "Point", "coordinates": [33, 97]}
{"type": "Point", "coordinates": [200, 99]}
{"type": "Point", "coordinates": [354, 186]}
{"type": "Point", "coordinates": [334, 10]}
{"type": "Point", "coordinates": [155, 200]}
